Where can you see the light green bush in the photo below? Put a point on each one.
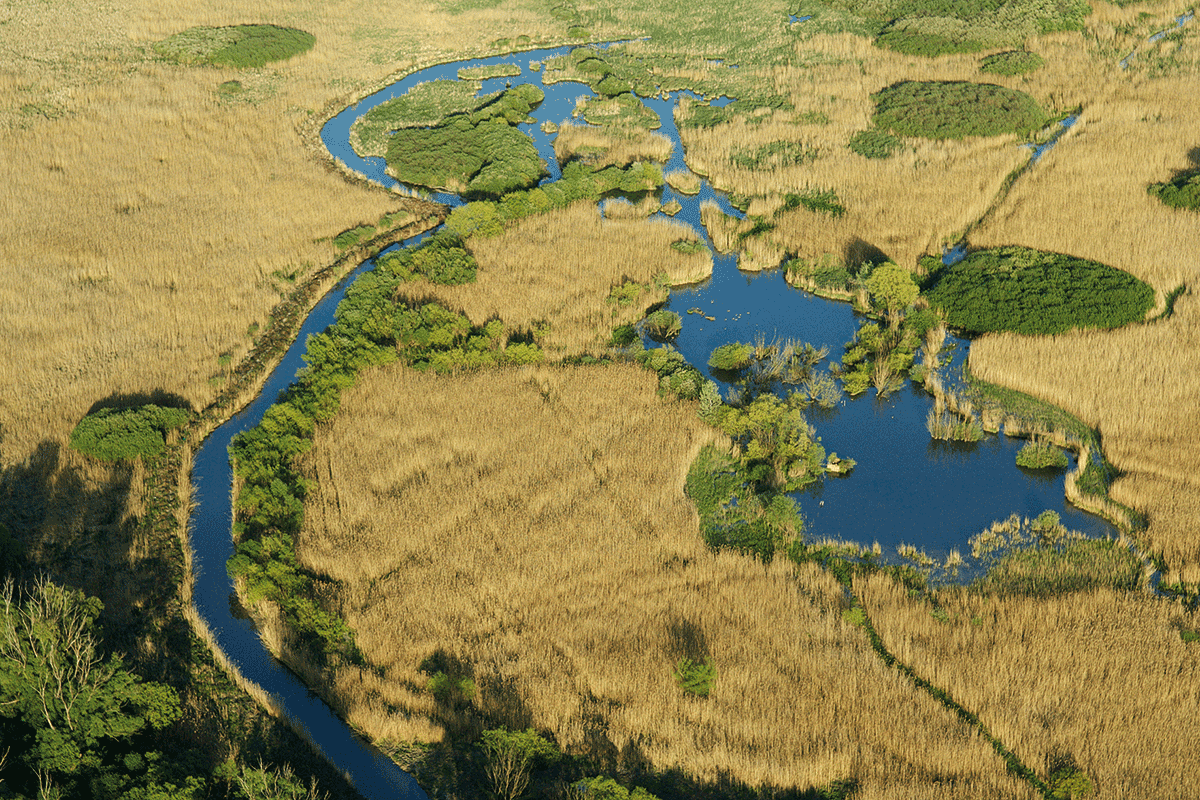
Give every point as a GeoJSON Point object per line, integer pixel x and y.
{"type": "Point", "coordinates": [695, 677]}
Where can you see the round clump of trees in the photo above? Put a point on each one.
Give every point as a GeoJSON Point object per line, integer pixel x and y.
{"type": "Point", "coordinates": [1035, 292]}
{"type": "Point", "coordinates": [955, 109]}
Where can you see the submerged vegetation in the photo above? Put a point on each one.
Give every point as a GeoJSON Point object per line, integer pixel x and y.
{"type": "Point", "coordinates": [1033, 292]}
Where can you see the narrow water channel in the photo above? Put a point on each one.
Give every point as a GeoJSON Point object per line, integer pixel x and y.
{"type": "Point", "coordinates": [906, 488]}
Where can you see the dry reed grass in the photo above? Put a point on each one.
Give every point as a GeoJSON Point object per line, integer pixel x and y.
{"type": "Point", "coordinates": [605, 146]}
{"type": "Point", "coordinates": [143, 216]}
{"type": "Point", "coordinates": [560, 267]}
{"type": "Point", "coordinates": [531, 523]}
{"type": "Point", "coordinates": [1101, 676]}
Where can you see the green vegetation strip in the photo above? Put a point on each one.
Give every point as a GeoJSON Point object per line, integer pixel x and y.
{"type": "Point", "coordinates": [1012, 62]}
{"type": "Point", "coordinates": [1035, 292]}
{"type": "Point", "coordinates": [955, 109]}
{"type": "Point", "coordinates": [238, 46]}
{"type": "Point", "coordinates": [579, 182]}
{"type": "Point", "coordinates": [371, 330]}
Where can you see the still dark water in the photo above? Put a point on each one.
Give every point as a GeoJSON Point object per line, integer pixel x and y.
{"type": "Point", "coordinates": [906, 488]}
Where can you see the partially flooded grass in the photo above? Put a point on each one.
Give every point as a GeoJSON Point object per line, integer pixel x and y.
{"type": "Point", "coordinates": [605, 147]}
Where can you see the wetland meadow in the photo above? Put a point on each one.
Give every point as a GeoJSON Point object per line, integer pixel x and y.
{"type": "Point", "coordinates": [665, 401]}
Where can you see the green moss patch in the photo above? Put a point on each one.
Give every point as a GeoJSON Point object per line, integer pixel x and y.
{"type": "Point", "coordinates": [1034, 292]}
{"type": "Point", "coordinates": [238, 46]}
{"type": "Point", "coordinates": [1012, 62]}
{"type": "Point", "coordinates": [874, 143]}
{"type": "Point", "coordinates": [955, 109]}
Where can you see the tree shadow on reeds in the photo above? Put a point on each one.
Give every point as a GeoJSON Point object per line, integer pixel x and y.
{"type": "Point", "coordinates": [122, 401]}
{"type": "Point", "coordinates": [80, 526]}
{"type": "Point", "coordinates": [674, 784]}
{"type": "Point", "coordinates": [858, 252]}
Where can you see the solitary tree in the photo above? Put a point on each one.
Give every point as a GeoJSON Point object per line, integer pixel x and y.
{"type": "Point", "coordinates": [893, 288]}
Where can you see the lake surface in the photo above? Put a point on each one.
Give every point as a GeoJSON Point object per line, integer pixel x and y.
{"type": "Point", "coordinates": [906, 488]}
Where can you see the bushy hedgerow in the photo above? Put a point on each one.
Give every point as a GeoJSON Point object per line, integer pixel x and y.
{"type": "Point", "coordinates": [371, 329]}
{"type": "Point", "coordinates": [1182, 191]}
{"type": "Point", "coordinates": [239, 46]}
{"type": "Point", "coordinates": [440, 259]}
{"type": "Point", "coordinates": [1012, 62]}
{"type": "Point", "coordinates": [955, 109]}
{"type": "Point", "coordinates": [1034, 292]}
{"type": "Point", "coordinates": [733, 515]}
{"type": "Point", "coordinates": [112, 434]}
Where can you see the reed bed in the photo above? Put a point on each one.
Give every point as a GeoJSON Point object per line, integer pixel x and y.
{"type": "Point", "coordinates": [605, 146]}
{"type": "Point", "coordinates": [1102, 677]}
{"type": "Point", "coordinates": [1131, 385]}
{"type": "Point", "coordinates": [531, 525]}
{"type": "Point", "coordinates": [561, 266]}
{"type": "Point", "coordinates": [145, 216]}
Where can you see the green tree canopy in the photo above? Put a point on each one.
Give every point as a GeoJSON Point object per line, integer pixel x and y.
{"type": "Point", "coordinates": [60, 700]}
{"type": "Point", "coordinates": [892, 287]}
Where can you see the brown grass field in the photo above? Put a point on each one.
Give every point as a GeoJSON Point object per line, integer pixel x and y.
{"type": "Point", "coordinates": [1100, 676]}
{"type": "Point", "coordinates": [560, 268]}
{"type": "Point", "coordinates": [532, 524]}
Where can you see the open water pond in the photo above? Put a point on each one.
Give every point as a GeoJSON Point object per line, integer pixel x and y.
{"type": "Point", "coordinates": [907, 488]}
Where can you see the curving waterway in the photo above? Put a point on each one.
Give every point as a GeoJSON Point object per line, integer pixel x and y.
{"type": "Point", "coordinates": [906, 488]}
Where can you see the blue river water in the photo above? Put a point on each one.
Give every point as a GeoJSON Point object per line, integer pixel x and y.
{"type": "Point", "coordinates": [906, 488]}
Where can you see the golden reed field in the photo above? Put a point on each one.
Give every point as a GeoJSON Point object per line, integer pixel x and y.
{"type": "Point", "coordinates": [1100, 676]}
{"type": "Point", "coordinates": [531, 524]}
{"type": "Point", "coordinates": [559, 268]}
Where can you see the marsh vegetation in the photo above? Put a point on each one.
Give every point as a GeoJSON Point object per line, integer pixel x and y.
{"type": "Point", "coordinates": [151, 324]}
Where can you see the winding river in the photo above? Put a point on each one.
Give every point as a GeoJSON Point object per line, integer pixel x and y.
{"type": "Point", "coordinates": [906, 488]}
